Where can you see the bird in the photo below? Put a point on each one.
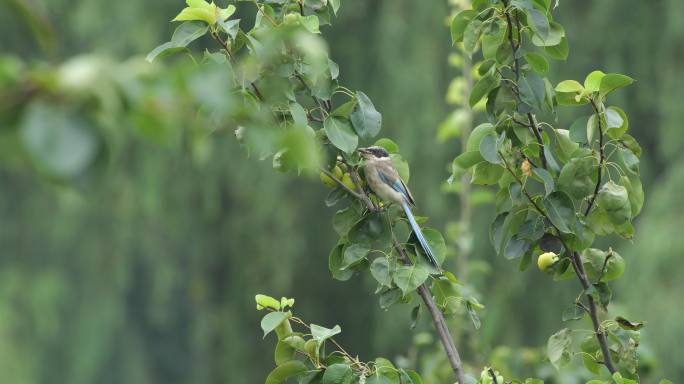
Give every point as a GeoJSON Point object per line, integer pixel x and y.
{"type": "Point", "coordinates": [385, 182]}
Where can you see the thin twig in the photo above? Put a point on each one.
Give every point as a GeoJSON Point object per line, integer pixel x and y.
{"type": "Point", "coordinates": [224, 45]}
{"type": "Point", "coordinates": [437, 318]}
{"type": "Point", "coordinates": [492, 374]}
{"type": "Point", "coordinates": [342, 184]}
{"type": "Point", "coordinates": [308, 89]}
{"type": "Point", "coordinates": [265, 14]}
{"type": "Point", "coordinates": [602, 160]}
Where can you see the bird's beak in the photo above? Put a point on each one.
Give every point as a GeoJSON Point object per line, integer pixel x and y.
{"type": "Point", "coordinates": [362, 150]}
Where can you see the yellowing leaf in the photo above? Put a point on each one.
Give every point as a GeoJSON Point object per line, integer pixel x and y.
{"type": "Point", "coordinates": [201, 14]}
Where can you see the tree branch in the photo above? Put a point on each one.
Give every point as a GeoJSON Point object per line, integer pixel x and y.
{"type": "Point", "coordinates": [437, 318]}
{"type": "Point", "coordinates": [581, 275]}
{"type": "Point", "coordinates": [341, 184]}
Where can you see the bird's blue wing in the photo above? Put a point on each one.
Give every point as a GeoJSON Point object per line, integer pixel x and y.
{"type": "Point", "coordinates": [398, 185]}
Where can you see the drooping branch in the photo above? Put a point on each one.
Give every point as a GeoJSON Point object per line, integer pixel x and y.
{"type": "Point", "coordinates": [437, 318]}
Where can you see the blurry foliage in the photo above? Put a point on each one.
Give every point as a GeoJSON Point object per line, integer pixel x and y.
{"type": "Point", "coordinates": [143, 267]}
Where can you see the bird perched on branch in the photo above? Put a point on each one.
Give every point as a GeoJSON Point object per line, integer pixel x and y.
{"type": "Point", "coordinates": [384, 180]}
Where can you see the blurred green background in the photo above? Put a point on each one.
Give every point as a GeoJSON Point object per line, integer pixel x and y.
{"type": "Point", "coordinates": [142, 266]}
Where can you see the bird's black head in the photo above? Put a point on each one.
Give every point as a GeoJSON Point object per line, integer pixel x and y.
{"type": "Point", "coordinates": [373, 152]}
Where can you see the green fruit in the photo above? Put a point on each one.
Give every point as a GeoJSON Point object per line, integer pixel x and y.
{"type": "Point", "coordinates": [347, 180]}
{"type": "Point", "coordinates": [311, 348]}
{"type": "Point", "coordinates": [327, 180]}
{"type": "Point", "coordinates": [546, 260]}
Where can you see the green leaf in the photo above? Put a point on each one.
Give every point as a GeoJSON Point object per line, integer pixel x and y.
{"type": "Point", "coordinates": [265, 301]}
{"type": "Point", "coordinates": [366, 119]}
{"type": "Point", "coordinates": [340, 134]}
{"type": "Point", "coordinates": [635, 192]}
{"type": "Point", "coordinates": [182, 36]}
{"type": "Point", "coordinates": [558, 348]}
{"type": "Point", "coordinates": [598, 264]}
{"type": "Point", "coordinates": [614, 200]}
{"type": "Point", "coordinates": [471, 36]}
{"type": "Point", "coordinates": [573, 312]}
{"type": "Point", "coordinates": [486, 174]}
{"type": "Point", "coordinates": [272, 320]}
{"type": "Point", "coordinates": [338, 374]}
{"type": "Point", "coordinates": [321, 334]}
{"type": "Point", "coordinates": [560, 51]}
{"type": "Point", "coordinates": [468, 159]}
{"type": "Point", "coordinates": [476, 136]}
{"type": "Point", "coordinates": [388, 144]}
{"type": "Point", "coordinates": [345, 110]}
{"type": "Point", "coordinates": [488, 149]}
{"type": "Point", "coordinates": [555, 36]}
{"type": "Point", "coordinates": [415, 315]}
{"type": "Point", "coordinates": [380, 269]}
{"type": "Point", "coordinates": [285, 371]}
{"type": "Point", "coordinates": [373, 230]}
{"type": "Point", "coordinates": [532, 90]}
{"type": "Point", "coordinates": [298, 114]}
{"type": "Point", "coordinates": [592, 82]}
{"type": "Point", "coordinates": [483, 87]}
{"type": "Point", "coordinates": [616, 122]}
{"type": "Point", "coordinates": [578, 130]}
{"type": "Point", "coordinates": [344, 220]}
{"type": "Point", "coordinates": [537, 62]}
{"type": "Point", "coordinates": [284, 352]}
{"type": "Point", "coordinates": [310, 23]}
{"type": "Point", "coordinates": [335, 265]}
{"type": "Point", "coordinates": [592, 127]}
{"type": "Point", "coordinates": [409, 277]}
{"type": "Point", "coordinates": [561, 210]}
{"type": "Point", "coordinates": [459, 24]}
{"type": "Point", "coordinates": [579, 176]}
{"type": "Point", "coordinates": [413, 377]}
{"type": "Point", "coordinates": [516, 247]}
{"type": "Point", "coordinates": [231, 27]}
{"type": "Point", "coordinates": [569, 86]}
{"type": "Point", "coordinates": [536, 18]}
{"type": "Point", "coordinates": [389, 297]}
{"type": "Point", "coordinates": [335, 5]}
{"type": "Point", "coordinates": [613, 81]}
{"type": "Point", "coordinates": [354, 254]}
{"type": "Point", "coordinates": [196, 14]}
{"type": "Point", "coordinates": [546, 178]}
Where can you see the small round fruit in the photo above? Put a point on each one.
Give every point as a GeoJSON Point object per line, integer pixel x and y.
{"type": "Point", "coordinates": [337, 172]}
{"type": "Point", "coordinates": [311, 348]}
{"type": "Point", "coordinates": [546, 260]}
{"type": "Point", "coordinates": [347, 180]}
{"type": "Point", "coordinates": [327, 180]}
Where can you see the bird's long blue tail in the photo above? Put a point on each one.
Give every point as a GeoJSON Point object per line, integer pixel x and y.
{"type": "Point", "coordinates": [420, 236]}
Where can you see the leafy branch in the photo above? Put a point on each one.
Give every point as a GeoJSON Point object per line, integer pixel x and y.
{"type": "Point", "coordinates": [539, 209]}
